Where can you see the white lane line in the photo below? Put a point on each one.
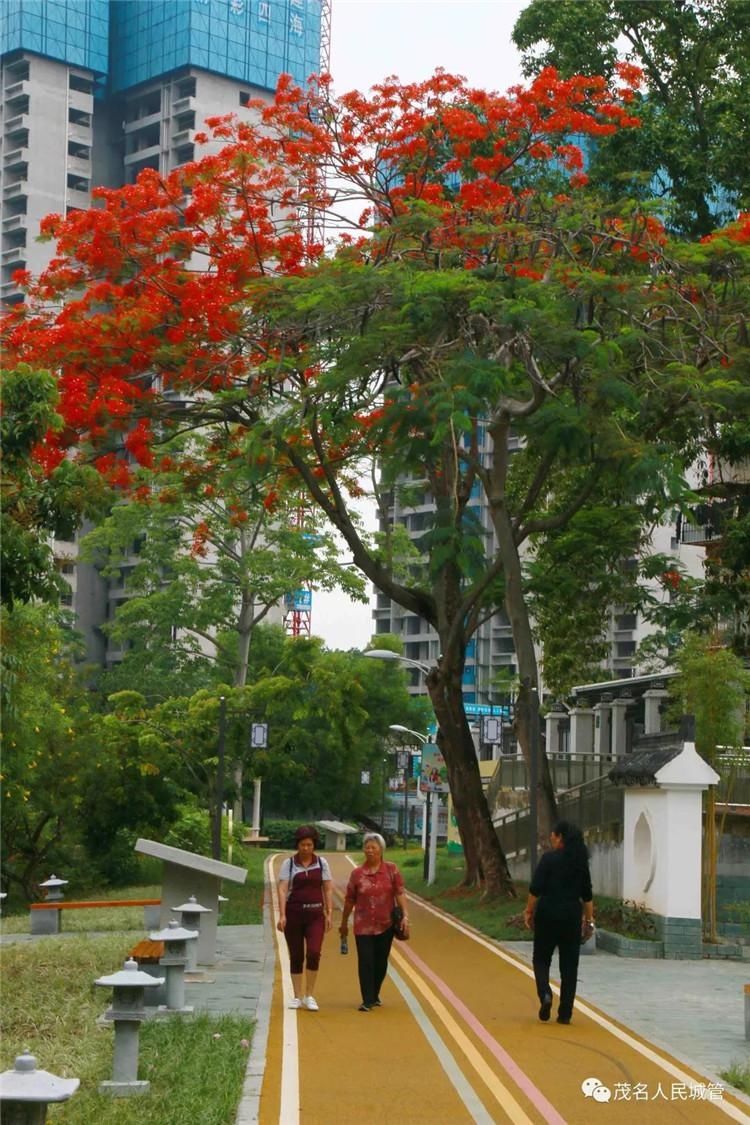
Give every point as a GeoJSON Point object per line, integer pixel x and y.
{"type": "Point", "coordinates": [461, 1085]}
{"type": "Point", "coordinates": [289, 1107]}
{"type": "Point", "coordinates": [453, 1072]}
{"type": "Point", "coordinates": [685, 1079]}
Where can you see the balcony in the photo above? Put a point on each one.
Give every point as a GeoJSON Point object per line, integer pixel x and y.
{"type": "Point", "coordinates": [707, 524]}
{"type": "Point", "coordinates": [184, 137]}
{"type": "Point", "coordinates": [16, 90]}
{"type": "Point", "coordinates": [9, 291]}
{"type": "Point", "coordinates": [15, 256]}
{"type": "Point", "coordinates": [142, 154]}
{"type": "Point", "coordinates": [79, 166]}
{"type": "Point", "coordinates": [16, 124]}
{"type": "Point", "coordinates": [16, 159]}
{"type": "Point", "coordinates": [182, 105]}
{"type": "Point", "coordinates": [15, 222]}
{"type": "Point", "coordinates": [17, 190]}
{"type": "Point", "coordinates": [79, 132]}
{"type": "Point", "coordinates": [80, 101]}
{"type": "Point", "coordinates": [77, 200]}
{"type": "Point", "coordinates": [141, 122]}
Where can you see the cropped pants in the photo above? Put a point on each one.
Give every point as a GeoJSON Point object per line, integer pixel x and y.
{"type": "Point", "coordinates": [304, 931]}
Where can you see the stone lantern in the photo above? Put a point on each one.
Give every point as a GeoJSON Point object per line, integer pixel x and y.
{"type": "Point", "coordinates": [127, 1013]}
{"type": "Point", "coordinates": [190, 917]}
{"type": "Point", "coordinates": [173, 961]}
{"type": "Point", "coordinates": [48, 921]}
{"type": "Point", "coordinates": [25, 1092]}
{"type": "Point", "coordinates": [53, 888]}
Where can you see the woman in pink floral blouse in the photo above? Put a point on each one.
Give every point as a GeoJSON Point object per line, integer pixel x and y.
{"type": "Point", "coordinates": [372, 890]}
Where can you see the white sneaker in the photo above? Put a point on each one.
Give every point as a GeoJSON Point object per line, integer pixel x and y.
{"type": "Point", "coordinates": [311, 1004]}
{"type": "Point", "coordinates": [297, 1002]}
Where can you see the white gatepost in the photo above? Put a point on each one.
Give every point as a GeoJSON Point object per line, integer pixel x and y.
{"type": "Point", "coordinates": [555, 716]}
{"type": "Point", "coordinates": [662, 839]}
{"type": "Point", "coordinates": [582, 730]}
{"type": "Point", "coordinates": [619, 720]}
{"type": "Point", "coordinates": [603, 726]}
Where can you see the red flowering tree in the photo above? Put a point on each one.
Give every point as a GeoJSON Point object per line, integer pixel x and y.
{"type": "Point", "coordinates": [467, 291]}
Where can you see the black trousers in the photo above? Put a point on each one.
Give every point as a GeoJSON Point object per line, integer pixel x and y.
{"type": "Point", "coordinates": [561, 932]}
{"type": "Point", "coordinates": [372, 962]}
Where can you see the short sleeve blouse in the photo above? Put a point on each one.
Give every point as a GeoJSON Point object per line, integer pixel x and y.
{"type": "Point", "coordinates": [372, 894]}
{"type": "Point", "coordinates": [290, 868]}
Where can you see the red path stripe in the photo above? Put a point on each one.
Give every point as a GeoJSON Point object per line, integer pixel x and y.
{"type": "Point", "coordinates": [532, 1092]}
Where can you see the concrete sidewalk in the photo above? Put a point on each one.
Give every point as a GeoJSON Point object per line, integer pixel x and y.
{"type": "Point", "coordinates": [693, 1009]}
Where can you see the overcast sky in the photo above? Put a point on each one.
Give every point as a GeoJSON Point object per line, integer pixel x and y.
{"type": "Point", "coordinates": [370, 40]}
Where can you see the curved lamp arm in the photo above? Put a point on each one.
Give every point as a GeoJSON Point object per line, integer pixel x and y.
{"type": "Point", "coordinates": [387, 654]}
{"type": "Point", "coordinates": [407, 730]}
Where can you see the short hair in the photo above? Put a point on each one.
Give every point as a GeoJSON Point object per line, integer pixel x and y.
{"type": "Point", "coordinates": [307, 832]}
{"type": "Point", "coordinates": [376, 837]}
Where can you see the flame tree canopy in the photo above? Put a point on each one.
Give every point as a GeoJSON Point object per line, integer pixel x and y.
{"type": "Point", "coordinates": [469, 285]}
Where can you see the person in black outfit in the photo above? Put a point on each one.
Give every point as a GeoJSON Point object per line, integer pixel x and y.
{"type": "Point", "coordinates": [560, 910]}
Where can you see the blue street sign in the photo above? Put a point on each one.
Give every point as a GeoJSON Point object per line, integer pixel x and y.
{"type": "Point", "coordinates": [486, 709]}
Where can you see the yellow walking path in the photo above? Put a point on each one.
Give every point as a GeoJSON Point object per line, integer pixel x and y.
{"type": "Point", "coordinates": [458, 1040]}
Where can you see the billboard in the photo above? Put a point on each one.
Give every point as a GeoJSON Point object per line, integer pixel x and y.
{"type": "Point", "coordinates": [434, 774]}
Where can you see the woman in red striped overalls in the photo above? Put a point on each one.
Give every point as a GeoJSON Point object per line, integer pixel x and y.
{"type": "Point", "coordinates": [305, 911]}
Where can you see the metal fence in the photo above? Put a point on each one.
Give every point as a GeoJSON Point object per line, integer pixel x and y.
{"type": "Point", "coordinates": [596, 804]}
{"type": "Point", "coordinates": [568, 770]}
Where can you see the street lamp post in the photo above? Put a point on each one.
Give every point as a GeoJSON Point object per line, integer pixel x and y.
{"type": "Point", "coordinates": [431, 811]}
{"type": "Point", "coordinates": [258, 740]}
{"type": "Point", "coordinates": [406, 730]}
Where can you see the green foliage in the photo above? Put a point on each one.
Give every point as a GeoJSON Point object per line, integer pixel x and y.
{"type": "Point", "coordinates": [738, 1075]}
{"type": "Point", "coordinates": [281, 833]}
{"type": "Point", "coordinates": [575, 576]}
{"type": "Point", "coordinates": [204, 557]}
{"type": "Point", "coordinates": [190, 831]}
{"type": "Point", "coordinates": [35, 506]}
{"type": "Point", "coordinates": [693, 109]}
{"type": "Point", "coordinates": [712, 685]}
{"type": "Point", "coordinates": [631, 919]}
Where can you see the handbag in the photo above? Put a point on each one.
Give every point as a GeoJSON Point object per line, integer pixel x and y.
{"type": "Point", "coordinates": [397, 917]}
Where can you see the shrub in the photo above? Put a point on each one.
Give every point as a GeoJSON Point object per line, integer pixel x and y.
{"type": "Point", "coordinates": [191, 831]}
{"type": "Point", "coordinates": [626, 918]}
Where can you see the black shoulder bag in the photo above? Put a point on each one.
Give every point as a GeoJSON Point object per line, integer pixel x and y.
{"type": "Point", "coordinates": [397, 914]}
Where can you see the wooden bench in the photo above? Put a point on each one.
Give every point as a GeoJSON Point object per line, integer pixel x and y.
{"type": "Point", "coordinates": [147, 952]}
{"type": "Point", "coordinates": [44, 926]}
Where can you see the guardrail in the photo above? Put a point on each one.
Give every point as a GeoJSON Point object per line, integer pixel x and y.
{"type": "Point", "coordinates": [596, 804]}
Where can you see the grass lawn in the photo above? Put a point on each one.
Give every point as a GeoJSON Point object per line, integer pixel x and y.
{"type": "Point", "coordinates": [497, 918]}
{"type": "Point", "coordinates": [503, 919]}
{"type": "Point", "coordinates": [245, 905]}
{"type": "Point", "coordinates": [50, 1006]}
{"type": "Point", "coordinates": [196, 1067]}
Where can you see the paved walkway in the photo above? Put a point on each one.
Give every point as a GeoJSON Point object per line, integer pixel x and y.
{"type": "Point", "coordinates": [458, 1039]}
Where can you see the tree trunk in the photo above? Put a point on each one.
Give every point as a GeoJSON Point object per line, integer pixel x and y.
{"type": "Point", "coordinates": [244, 632]}
{"type": "Point", "coordinates": [527, 710]}
{"type": "Point", "coordinates": [709, 868]}
{"type": "Point", "coordinates": [484, 857]}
